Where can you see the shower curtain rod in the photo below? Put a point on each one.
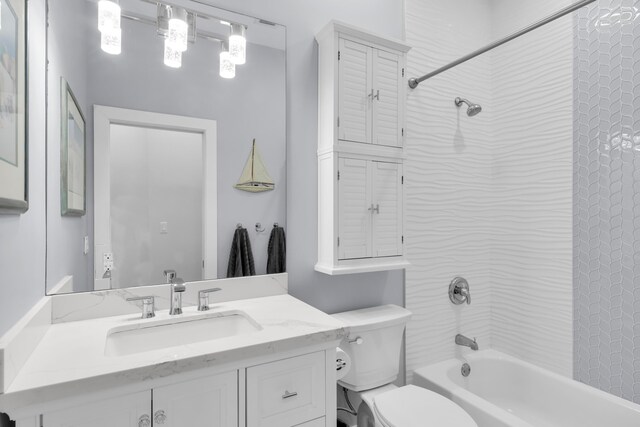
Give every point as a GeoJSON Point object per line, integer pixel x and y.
{"type": "Point", "coordinates": [414, 82]}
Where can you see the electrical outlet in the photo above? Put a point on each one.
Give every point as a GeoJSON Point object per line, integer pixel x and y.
{"type": "Point", "coordinates": [164, 227]}
{"type": "Point", "coordinates": [107, 259]}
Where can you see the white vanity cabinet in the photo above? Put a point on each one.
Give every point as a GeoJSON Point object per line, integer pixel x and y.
{"type": "Point", "coordinates": [361, 95]}
{"type": "Point", "coordinates": [210, 401]}
{"type": "Point", "coordinates": [296, 390]}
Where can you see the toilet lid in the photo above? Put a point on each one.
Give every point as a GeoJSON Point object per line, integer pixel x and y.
{"type": "Point", "coordinates": [412, 406]}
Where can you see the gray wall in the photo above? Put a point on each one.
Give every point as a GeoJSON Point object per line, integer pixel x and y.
{"type": "Point", "coordinates": [22, 238]}
{"type": "Point", "coordinates": [607, 200]}
{"type": "Point", "coordinates": [22, 267]}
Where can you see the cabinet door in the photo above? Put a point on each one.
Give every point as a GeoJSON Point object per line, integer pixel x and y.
{"type": "Point", "coordinates": [354, 92]}
{"type": "Point", "coordinates": [133, 410]}
{"type": "Point", "coordinates": [354, 208]}
{"type": "Point", "coordinates": [206, 402]}
{"type": "Point", "coordinates": [387, 217]}
{"type": "Point", "coordinates": [387, 104]}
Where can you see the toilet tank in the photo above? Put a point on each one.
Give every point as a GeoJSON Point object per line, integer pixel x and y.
{"type": "Point", "coordinates": [373, 343]}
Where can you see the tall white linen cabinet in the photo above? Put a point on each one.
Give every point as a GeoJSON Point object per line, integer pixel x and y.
{"type": "Point", "coordinates": [361, 130]}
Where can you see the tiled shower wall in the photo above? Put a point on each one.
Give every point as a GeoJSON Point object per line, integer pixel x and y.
{"type": "Point", "coordinates": [489, 197]}
{"type": "Point", "coordinates": [607, 197]}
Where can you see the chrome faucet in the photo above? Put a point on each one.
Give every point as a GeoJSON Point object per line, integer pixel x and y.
{"type": "Point", "coordinates": [467, 342]}
{"type": "Point", "coordinates": [177, 289]}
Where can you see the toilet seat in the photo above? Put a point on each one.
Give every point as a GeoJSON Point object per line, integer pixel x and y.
{"type": "Point", "coordinates": [412, 406]}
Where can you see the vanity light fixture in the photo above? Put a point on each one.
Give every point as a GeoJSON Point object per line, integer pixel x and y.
{"type": "Point", "coordinates": [111, 41]}
{"type": "Point", "coordinates": [238, 44]}
{"type": "Point", "coordinates": [172, 56]}
{"type": "Point", "coordinates": [227, 67]}
{"type": "Point", "coordinates": [109, 16]}
{"type": "Point", "coordinates": [178, 36]}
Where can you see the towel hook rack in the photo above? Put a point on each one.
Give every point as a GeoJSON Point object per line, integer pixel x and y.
{"type": "Point", "coordinates": [239, 225]}
{"type": "Point", "coordinates": [259, 227]}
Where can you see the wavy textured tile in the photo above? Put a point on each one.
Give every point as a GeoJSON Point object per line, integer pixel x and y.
{"type": "Point", "coordinates": [489, 197]}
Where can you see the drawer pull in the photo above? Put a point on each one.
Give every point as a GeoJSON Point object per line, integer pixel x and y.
{"type": "Point", "coordinates": [288, 395]}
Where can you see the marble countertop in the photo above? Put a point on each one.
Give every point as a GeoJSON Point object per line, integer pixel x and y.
{"type": "Point", "coordinates": [71, 356]}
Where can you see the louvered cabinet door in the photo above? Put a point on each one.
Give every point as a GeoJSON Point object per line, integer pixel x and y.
{"type": "Point", "coordinates": [354, 208]}
{"type": "Point", "coordinates": [387, 105]}
{"type": "Point", "coordinates": [387, 215]}
{"type": "Point", "coordinates": [354, 92]}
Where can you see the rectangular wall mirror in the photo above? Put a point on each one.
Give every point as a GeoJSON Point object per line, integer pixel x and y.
{"type": "Point", "coordinates": [148, 134]}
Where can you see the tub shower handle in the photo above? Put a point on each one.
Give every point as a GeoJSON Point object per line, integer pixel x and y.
{"type": "Point", "coordinates": [459, 292]}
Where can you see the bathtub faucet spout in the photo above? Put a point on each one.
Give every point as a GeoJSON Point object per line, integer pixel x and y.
{"type": "Point", "coordinates": [466, 342]}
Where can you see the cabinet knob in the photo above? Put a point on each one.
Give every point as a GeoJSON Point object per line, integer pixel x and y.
{"type": "Point", "coordinates": [377, 96]}
{"type": "Point", "coordinates": [375, 209]}
{"type": "Point", "coordinates": [160, 417]}
{"type": "Point", "coordinates": [144, 421]}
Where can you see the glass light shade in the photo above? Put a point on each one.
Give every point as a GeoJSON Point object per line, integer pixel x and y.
{"type": "Point", "coordinates": [111, 41]}
{"type": "Point", "coordinates": [172, 56]}
{"type": "Point", "coordinates": [238, 44]}
{"type": "Point", "coordinates": [178, 34]}
{"type": "Point", "coordinates": [108, 15]}
{"type": "Point", "coordinates": [227, 67]}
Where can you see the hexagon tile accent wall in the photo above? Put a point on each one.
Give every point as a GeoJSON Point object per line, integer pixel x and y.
{"type": "Point", "coordinates": [607, 197]}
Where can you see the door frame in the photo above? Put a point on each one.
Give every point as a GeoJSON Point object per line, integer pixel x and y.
{"type": "Point", "coordinates": [103, 118]}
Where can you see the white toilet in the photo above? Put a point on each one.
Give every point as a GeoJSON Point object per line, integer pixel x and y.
{"type": "Point", "coordinates": [373, 345]}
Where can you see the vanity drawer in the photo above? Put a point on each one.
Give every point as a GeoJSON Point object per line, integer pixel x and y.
{"type": "Point", "coordinates": [287, 392]}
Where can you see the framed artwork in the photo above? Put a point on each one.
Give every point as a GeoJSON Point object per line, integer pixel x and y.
{"type": "Point", "coordinates": [13, 108]}
{"type": "Point", "coordinates": [72, 154]}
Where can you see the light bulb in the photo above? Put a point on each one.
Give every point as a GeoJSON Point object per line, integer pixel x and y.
{"type": "Point", "coordinates": [172, 56]}
{"type": "Point", "coordinates": [111, 41]}
{"type": "Point", "coordinates": [108, 15]}
{"type": "Point", "coordinates": [227, 67]}
{"type": "Point", "coordinates": [178, 36]}
{"type": "Point", "coordinates": [238, 44]}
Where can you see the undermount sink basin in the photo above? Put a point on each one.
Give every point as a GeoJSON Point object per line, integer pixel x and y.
{"type": "Point", "coordinates": [154, 335]}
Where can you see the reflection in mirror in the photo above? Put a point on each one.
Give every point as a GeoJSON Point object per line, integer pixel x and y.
{"type": "Point", "coordinates": [158, 197]}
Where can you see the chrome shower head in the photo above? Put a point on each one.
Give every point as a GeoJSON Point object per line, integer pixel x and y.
{"type": "Point", "coordinates": [473, 110]}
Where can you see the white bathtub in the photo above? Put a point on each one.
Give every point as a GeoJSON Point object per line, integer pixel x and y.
{"type": "Point", "coordinates": [503, 391]}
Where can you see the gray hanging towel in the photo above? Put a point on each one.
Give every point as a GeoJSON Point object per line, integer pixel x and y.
{"type": "Point", "coordinates": [241, 258]}
{"type": "Point", "coordinates": [277, 261]}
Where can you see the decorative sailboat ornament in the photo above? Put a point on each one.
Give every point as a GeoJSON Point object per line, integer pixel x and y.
{"type": "Point", "coordinates": [255, 177]}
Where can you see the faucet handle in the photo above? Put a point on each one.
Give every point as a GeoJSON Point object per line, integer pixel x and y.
{"type": "Point", "coordinates": [203, 298]}
{"type": "Point", "coordinates": [148, 305]}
